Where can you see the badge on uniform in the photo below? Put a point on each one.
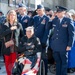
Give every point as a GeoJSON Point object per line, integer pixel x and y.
{"type": "Point", "coordinates": [64, 25]}
{"type": "Point", "coordinates": [25, 21]}
{"type": "Point", "coordinates": [43, 21]}
{"type": "Point", "coordinates": [54, 25]}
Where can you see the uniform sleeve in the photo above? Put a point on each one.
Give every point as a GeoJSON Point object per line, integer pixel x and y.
{"type": "Point", "coordinates": [47, 29]}
{"type": "Point", "coordinates": [71, 33]}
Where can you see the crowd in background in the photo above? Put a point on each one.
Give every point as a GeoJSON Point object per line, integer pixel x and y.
{"type": "Point", "coordinates": [21, 18]}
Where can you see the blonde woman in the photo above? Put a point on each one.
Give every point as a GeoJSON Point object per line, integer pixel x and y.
{"type": "Point", "coordinates": [11, 33]}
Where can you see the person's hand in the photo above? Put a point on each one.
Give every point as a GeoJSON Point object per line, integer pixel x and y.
{"type": "Point", "coordinates": [51, 18]}
{"type": "Point", "coordinates": [68, 48]}
{"type": "Point", "coordinates": [13, 27]}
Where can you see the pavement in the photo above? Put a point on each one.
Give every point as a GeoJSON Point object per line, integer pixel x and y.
{"type": "Point", "coordinates": [3, 71]}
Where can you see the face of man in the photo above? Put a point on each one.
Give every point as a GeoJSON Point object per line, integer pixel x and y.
{"type": "Point", "coordinates": [73, 16]}
{"type": "Point", "coordinates": [0, 14]}
{"type": "Point", "coordinates": [50, 13]}
{"type": "Point", "coordinates": [22, 10]}
{"type": "Point", "coordinates": [29, 33]}
{"type": "Point", "coordinates": [40, 12]}
{"type": "Point", "coordinates": [60, 14]}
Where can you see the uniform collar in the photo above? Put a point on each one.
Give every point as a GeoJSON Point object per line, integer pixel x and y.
{"type": "Point", "coordinates": [61, 19]}
{"type": "Point", "coordinates": [42, 16]}
{"type": "Point", "coordinates": [24, 15]}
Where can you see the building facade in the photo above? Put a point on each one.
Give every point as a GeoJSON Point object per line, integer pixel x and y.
{"type": "Point", "coordinates": [70, 4]}
{"type": "Point", "coordinates": [6, 5]}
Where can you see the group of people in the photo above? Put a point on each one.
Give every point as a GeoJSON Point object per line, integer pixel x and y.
{"type": "Point", "coordinates": [24, 32]}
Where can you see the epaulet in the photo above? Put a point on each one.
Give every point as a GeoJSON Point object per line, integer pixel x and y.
{"type": "Point", "coordinates": [35, 16]}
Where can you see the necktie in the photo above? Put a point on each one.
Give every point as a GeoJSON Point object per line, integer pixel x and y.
{"type": "Point", "coordinates": [39, 18]}
{"type": "Point", "coordinates": [60, 20]}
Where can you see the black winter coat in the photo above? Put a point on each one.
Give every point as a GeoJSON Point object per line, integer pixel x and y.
{"type": "Point", "coordinates": [32, 43]}
{"type": "Point", "coordinates": [6, 33]}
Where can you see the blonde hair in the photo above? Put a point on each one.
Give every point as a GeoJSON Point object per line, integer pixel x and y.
{"type": "Point", "coordinates": [9, 13]}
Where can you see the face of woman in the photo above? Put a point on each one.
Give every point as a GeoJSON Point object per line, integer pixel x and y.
{"type": "Point", "coordinates": [29, 34]}
{"type": "Point", "coordinates": [12, 16]}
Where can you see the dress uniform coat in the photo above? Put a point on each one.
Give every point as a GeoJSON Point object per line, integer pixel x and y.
{"type": "Point", "coordinates": [39, 24]}
{"type": "Point", "coordinates": [24, 21]}
{"type": "Point", "coordinates": [62, 34]}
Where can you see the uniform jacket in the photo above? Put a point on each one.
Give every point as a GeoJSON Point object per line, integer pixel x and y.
{"type": "Point", "coordinates": [63, 34]}
{"type": "Point", "coordinates": [39, 24]}
{"type": "Point", "coordinates": [24, 21]}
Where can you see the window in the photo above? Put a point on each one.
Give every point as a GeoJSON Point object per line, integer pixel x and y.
{"type": "Point", "coordinates": [11, 3]}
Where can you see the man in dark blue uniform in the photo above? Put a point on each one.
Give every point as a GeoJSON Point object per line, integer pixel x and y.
{"type": "Point", "coordinates": [62, 39]}
{"type": "Point", "coordinates": [39, 22]}
{"type": "Point", "coordinates": [23, 18]}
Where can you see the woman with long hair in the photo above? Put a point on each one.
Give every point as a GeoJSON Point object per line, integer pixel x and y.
{"type": "Point", "coordinates": [11, 32]}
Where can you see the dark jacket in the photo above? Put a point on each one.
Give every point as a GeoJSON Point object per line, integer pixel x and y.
{"type": "Point", "coordinates": [24, 21]}
{"type": "Point", "coordinates": [5, 35]}
{"type": "Point", "coordinates": [63, 34]}
{"type": "Point", "coordinates": [39, 24]}
{"type": "Point", "coordinates": [30, 44]}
